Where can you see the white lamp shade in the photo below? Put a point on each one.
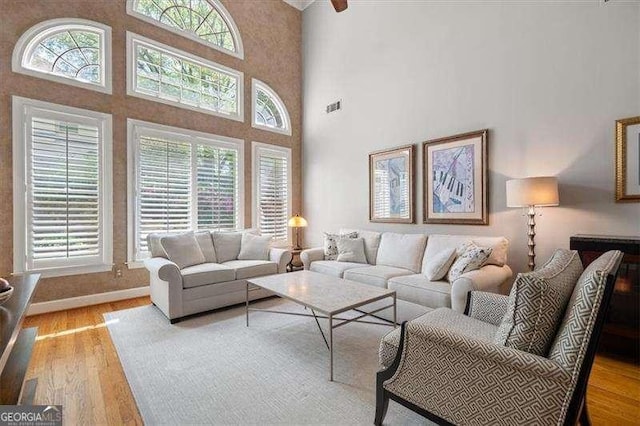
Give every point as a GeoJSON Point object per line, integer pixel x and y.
{"type": "Point", "coordinates": [297, 221]}
{"type": "Point", "coordinates": [533, 191]}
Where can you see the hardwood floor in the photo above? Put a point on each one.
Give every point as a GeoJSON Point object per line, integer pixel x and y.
{"type": "Point", "coordinates": [76, 365]}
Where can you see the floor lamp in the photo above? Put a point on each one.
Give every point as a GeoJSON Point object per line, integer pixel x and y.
{"type": "Point", "coordinates": [530, 193]}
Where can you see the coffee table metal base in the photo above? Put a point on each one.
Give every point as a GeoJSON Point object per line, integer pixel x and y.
{"type": "Point", "coordinates": [331, 318]}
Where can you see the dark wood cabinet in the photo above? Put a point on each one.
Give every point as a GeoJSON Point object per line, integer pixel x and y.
{"type": "Point", "coordinates": [621, 334]}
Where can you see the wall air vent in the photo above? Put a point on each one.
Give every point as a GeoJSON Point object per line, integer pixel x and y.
{"type": "Point", "coordinates": [334, 106]}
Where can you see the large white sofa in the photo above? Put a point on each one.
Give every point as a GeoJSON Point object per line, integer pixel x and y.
{"type": "Point", "coordinates": [397, 261]}
{"type": "Point", "coordinates": [217, 282]}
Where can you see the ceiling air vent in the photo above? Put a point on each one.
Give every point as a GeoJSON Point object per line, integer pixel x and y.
{"type": "Point", "coordinates": [334, 106]}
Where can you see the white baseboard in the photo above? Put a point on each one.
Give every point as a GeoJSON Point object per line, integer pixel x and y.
{"type": "Point", "coordinates": [91, 299]}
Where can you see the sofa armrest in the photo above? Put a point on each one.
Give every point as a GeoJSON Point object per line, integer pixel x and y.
{"type": "Point", "coordinates": [164, 270]}
{"type": "Point", "coordinates": [487, 307]}
{"type": "Point", "coordinates": [488, 278]}
{"type": "Point", "coordinates": [440, 371]}
{"type": "Point", "coordinates": [281, 256]}
{"type": "Point", "coordinates": [311, 255]}
{"type": "Point", "coordinates": [165, 282]}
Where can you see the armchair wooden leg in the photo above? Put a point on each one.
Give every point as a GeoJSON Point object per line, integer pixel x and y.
{"type": "Point", "coordinates": [382, 404]}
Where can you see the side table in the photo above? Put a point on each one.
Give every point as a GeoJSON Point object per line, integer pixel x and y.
{"type": "Point", "coordinates": [295, 264]}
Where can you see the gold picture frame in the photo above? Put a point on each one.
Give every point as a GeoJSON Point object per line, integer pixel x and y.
{"type": "Point", "coordinates": [392, 185]}
{"type": "Point", "coordinates": [459, 197]}
{"type": "Point", "coordinates": [628, 160]}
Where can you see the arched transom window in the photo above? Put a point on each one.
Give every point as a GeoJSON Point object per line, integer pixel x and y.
{"type": "Point", "coordinates": [269, 112]}
{"type": "Point", "coordinates": [206, 21]}
{"type": "Point", "coordinates": [72, 51]}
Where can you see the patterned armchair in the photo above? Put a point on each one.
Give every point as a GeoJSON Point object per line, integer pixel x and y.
{"type": "Point", "coordinates": [448, 366]}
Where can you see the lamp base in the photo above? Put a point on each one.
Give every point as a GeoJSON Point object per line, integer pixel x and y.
{"type": "Point", "coordinates": [531, 234]}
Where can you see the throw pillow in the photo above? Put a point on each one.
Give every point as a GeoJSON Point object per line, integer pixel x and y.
{"type": "Point", "coordinates": [227, 245]}
{"type": "Point", "coordinates": [437, 267]}
{"type": "Point", "coordinates": [206, 245]}
{"type": "Point", "coordinates": [351, 250]}
{"type": "Point", "coordinates": [183, 249]}
{"type": "Point", "coordinates": [331, 245]}
{"type": "Point", "coordinates": [254, 247]}
{"type": "Point", "coordinates": [537, 303]}
{"type": "Point", "coordinates": [472, 258]}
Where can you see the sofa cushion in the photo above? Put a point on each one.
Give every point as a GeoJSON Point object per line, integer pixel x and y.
{"type": "Point", "coordinates": [330, 244]}
{"type": "Point", "coordinates": [205, 241]}
{"type": "Point", "coordinates": [377, 275]}
{"type": "Point", "coordinates": [473, 257]}
{"type": "Point", "coordinates": [227, 245]}
{"type": "Point", "coordinates": [537, 304]}
{"type": "Point", "coordinates": [154, 246]}
{"type": "Point", "coordinates": [371, 243]}
{"type": "Point", "coordinates": [401, 250]}
{"type": "Point", "coordinates": [252, 268]}
{"type": "Point", "coordinates": [254, 247]}
{"type": "Point", "coordinates": [333, 267]}
{"type": "Point", "coordinates": [419, 289]}
{"type": "Point", "coordinates": [205, 274]}
{"type": "Point", "coordinates": [438, 266]}
{"type": "Point", "coordinates": [438, 242]}
{"type": "Point", "coordinates": [444, 318]}
{"type": "Point", "coordinates": [351, 250]}
{"type": "Point", "coordinates": [182, 249]}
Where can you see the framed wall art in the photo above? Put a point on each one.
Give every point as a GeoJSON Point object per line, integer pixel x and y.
{"type": "Point", "coordinates": [455, 179]}
{"type": "Point", "coordinates": [392, 185]}
{"type": "Point", "coordinates": [628, 160]}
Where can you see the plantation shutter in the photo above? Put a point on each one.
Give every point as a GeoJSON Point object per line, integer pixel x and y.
{"type": "Point", "coordinates": [217, 187]}
{"type": "Point", "coordinates": [63, 192]}
{"type": "Point", "coordinates": [163, 188]}
{"type": "Point", "coordinates": [273, 190]}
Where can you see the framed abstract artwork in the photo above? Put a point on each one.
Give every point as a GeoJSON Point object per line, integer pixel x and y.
{"type": "Point", "coordinates": [455, 179]}
{"type": "Point", "coordinates": [392, 185]}
{"type": "Point", "coordinates": [628, 160]}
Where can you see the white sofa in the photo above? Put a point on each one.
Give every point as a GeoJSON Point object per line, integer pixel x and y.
{"type": "Point", "coordinates": [397, 261]}
{"type": "Point", "coordinates": [219, 281]}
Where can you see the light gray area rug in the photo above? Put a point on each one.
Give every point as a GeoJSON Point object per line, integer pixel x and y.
{"type": "Point", "coordinates": [212, 369]}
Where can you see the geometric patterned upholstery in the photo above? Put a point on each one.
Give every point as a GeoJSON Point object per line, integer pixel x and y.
{"type": "Point", "coordinates": [537, 304]}
{"type": "Point", "coordinates": [487, 307]}
{"type": "Point", "coordinates": [466, 380]}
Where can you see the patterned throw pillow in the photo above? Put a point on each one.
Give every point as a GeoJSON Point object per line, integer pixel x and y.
{"type": "Point", "coordinates": [470, 258]}
{"type": "Point", "coordinates": [537, 303]}
{"type": "Point", "coordinates": [331, 244]}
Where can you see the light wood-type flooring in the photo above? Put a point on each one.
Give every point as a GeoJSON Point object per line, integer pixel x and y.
{"type": "Point", "coordinates": [76, 365]}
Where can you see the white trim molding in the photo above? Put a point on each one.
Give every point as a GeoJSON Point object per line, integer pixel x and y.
{"type": "Point", "coordinates": [89, 300]}
{"type": "Point", "coordinates": [224, 13]}
{"type": "Point", "coordinates": [135, 128]}
{"type": "Point", "coordinates": [133, 40]}
{"type": "Point", "coordinates": [282, 109]}
{"type": "Point", "coordinates": [23, 112]}
{"type": "Point", "coordinates": [34, 35]}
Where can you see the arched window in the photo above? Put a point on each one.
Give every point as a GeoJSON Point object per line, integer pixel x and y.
{"type": "Point", "coordinates": [205, 21]}
{"type": "Point", "coordinates": [71, 51]}
{"type": "Point", "coordinates": [269, 112]}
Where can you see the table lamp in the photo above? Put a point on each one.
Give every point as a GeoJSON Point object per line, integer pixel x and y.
{"type": "Point", "coordinates": [296, 222]}
{"type": "Point", "coordinates": [530, 193]}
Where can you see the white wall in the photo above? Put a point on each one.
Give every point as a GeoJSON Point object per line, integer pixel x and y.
{"type": "Point", "coordinates": [548, 79]}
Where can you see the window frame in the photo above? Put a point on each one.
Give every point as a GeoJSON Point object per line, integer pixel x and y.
{"type": "Point", "coordinates": [192, 137]}
{"type": "Point", "coordinates": [23, 109]}
{"type": "Point", "coordinates": [32, 36]}
{"type": "Point", "coordinates": [256, 149]}
{"type": "Point", "coordinates": [258, 84]}
{"type": "Point", "coordinates": [219, 7]}
{"type": "Point", "coordinates": [133, 39]}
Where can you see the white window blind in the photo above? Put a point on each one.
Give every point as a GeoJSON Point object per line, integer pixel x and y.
{"type": "Point", "coordinates": [64, 216]}
{"type": "Point", "coordinates": [183, 181]}
{"type": "Point", "coordinates": [273, 188]}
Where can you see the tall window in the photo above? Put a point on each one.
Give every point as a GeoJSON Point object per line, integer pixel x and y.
{"type": "Point", "coordinates": [62, 189]}
{"type": "Point", "coordinates": [269, 112]}
{"type": "Point", "coordinates": [161, 73]}
{"type": "Point", "coordinates": [181, 180]}
{"type": "Point", "coordinates": [71, 51]}
{"type": "Point", "coordinates": [205, 21]}
{"type": "Point", "coordinates": [272, 189]}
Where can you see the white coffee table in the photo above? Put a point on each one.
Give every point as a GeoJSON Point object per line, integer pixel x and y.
{"type": "Point", "coordinates": [328, 295]}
